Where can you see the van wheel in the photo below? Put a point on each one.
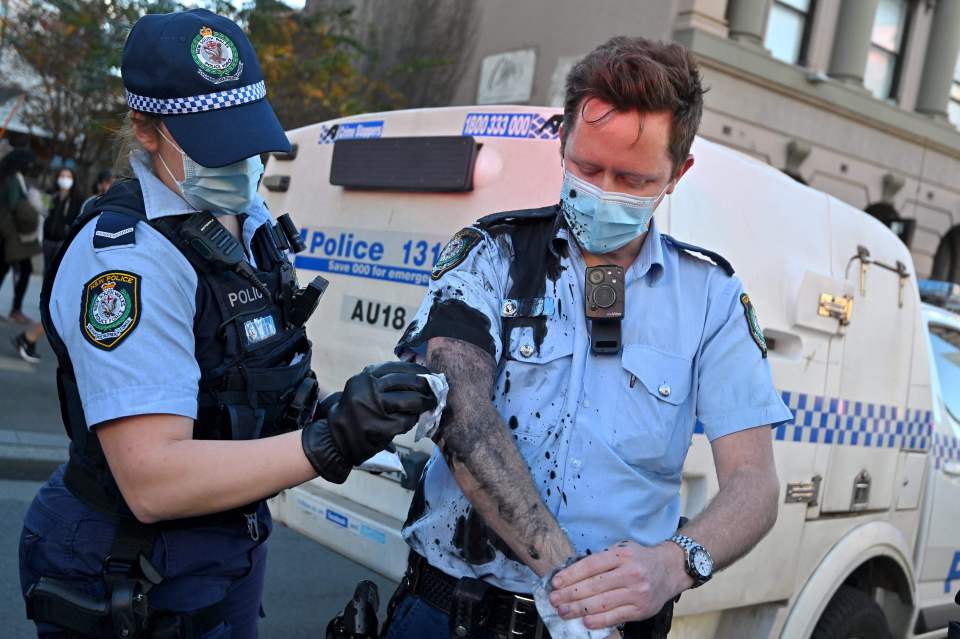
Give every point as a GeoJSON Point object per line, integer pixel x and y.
{"type": "Point", "coordinates": [852, 614]}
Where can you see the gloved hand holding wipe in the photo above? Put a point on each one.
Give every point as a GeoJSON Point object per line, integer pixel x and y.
{"type": "Point", "coordinates": [376, 405]}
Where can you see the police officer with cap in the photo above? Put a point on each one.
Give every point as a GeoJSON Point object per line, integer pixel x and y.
{"type": "Point", "coordinates": [584, 349]}
{"type": "Point", "coordinates": [184, 368]}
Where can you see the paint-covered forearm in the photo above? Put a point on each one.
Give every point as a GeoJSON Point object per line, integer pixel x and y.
{"type": "Point", "coordinates": [485, 461]}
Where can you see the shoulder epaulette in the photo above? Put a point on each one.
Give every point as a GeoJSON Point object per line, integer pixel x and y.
{"type": "Point", "coordinates": [701, 253]}
{"type": "Point", "coordinates": [519, 216]}
{"type": "Point", "coordinates": [115, 229]}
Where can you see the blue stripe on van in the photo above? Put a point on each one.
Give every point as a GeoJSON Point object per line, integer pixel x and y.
{"type": "Point", "coordinates": [821, 420]}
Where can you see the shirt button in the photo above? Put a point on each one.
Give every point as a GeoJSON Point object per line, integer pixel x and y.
{"type": "Point", "coordinates": [526, 350]}
{"type": "Point", "coordinates": [586, 403]}
{"type": "Point", "coordinates": [664, 390]}
{"type": "Point", "coordinates": [509, 310]}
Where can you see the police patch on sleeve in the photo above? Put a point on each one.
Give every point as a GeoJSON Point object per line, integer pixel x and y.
{"type": "Point", "coordinates": [456, 251]}
{"type": "Point", "coordinates": [753, 324]}
{"type": "Point", "coordinates": [110, 309]}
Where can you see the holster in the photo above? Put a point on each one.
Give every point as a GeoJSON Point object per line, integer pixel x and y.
{"type": "Point", "coordinates": [124, 613]}
{"type": "Point", "coordinates": [55, 602]}
{"type": "Point", "coordinates": [468, 607]}
{"type": "Point", "coordinates": [359, 618]}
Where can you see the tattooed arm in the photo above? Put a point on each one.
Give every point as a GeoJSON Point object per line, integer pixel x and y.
{"type": "Point", "coordinates": [485, 461]}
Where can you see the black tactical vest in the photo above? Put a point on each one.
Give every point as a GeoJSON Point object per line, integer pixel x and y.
{"type": "Point", "coordinates": [255, 376]}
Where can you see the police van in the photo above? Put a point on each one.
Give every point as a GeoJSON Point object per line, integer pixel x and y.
{"type": "Point", "coordinates": [868, 533]}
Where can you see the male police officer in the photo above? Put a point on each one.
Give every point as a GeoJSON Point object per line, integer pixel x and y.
{"type": "Point", "coordinates": [565, 436]}
{"type": "Point", "coordinates": [184, 366]}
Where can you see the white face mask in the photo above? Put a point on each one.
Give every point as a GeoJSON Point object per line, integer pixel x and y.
{"type": "Point", "coordinates": [227, 189]}
{"type": "Point", "coordinates": [65, 182]}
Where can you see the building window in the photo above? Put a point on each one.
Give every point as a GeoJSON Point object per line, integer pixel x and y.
{"type": "Point", "coordinates": [886, 48]}
{"type": "Point", "coordinates": [946, 353]}
{"type": "Point", "coordinates": [787, 29]}
{"type": "Point", "coordinates": [946, 261]}
{"type": "Point", "coordinates": [953, 106]}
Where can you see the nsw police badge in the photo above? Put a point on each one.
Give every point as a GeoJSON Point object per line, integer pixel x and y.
{"type": "Point", "coordinates": [110, 309]}
{"type": "Point", "coordinates": [456, 251]}
{"type": "Point", "coordinates": [216, 56]}
{"type": "Point", "coordinates": [753, 324]}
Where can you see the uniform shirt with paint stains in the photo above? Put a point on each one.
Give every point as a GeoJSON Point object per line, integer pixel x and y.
{"type": "Point", "coordinates": [605, 436]}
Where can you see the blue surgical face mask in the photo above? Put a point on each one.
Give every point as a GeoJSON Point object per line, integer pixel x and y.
{"type": "Point", "coordinates": [603, 222]}
{"type": "Point", "coordinates": [226, 190]}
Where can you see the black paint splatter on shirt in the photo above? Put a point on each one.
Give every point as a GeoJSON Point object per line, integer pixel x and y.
{"type": "Point", "coordinates": [418, 506]}
{"type": "Point", "coordinates": [477, 542]}
{"type": "Point", "coordinates": [455, 319]}
{"type": "Point", "coordinates": [536, 258]}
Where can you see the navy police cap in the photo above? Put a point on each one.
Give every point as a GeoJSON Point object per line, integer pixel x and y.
{"type": "Point", "coordinates": [198, 72]}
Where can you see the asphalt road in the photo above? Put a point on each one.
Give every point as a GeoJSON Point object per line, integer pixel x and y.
{"type": "Point", "coordinates": [306, 584]}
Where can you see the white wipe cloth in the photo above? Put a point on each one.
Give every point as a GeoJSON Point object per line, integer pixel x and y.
{"type": "Point", "coordinates": [384, 462]}
{"type": "Point", "coordinates": [430, 420]}
{"type": "Point", "coordinates": [388, 462]}
{"type": "Point", "coordinates": [560, 628]}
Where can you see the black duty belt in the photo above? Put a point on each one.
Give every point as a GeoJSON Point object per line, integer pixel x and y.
{"type": "Point", "coordinates": [506, 613]}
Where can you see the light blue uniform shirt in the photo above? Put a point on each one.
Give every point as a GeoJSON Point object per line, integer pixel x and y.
{"type": "Point", "coordinates": [605, 436]}
{"type": "Point", "coordinates": [153, 370]}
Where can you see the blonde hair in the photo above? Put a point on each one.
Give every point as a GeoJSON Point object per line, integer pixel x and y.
{"type": "Point", "coordinates": [127, 142]}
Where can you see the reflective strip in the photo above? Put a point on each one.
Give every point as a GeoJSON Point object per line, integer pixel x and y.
{"type": "Point", "coordinates": [945, 448]}
{"type": "Point", "coordinates": [114, 236]}
{"type": "Point", "coordinates": [823, 420]}
{"type": "Point", "coordinates": [198, 103]}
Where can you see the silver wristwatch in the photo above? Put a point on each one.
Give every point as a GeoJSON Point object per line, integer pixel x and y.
{"type": "Point", "coordinates": [699, 563]}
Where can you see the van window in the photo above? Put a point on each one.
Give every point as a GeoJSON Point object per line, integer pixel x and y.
{"type": "Point", "coordinates": [946, 353]}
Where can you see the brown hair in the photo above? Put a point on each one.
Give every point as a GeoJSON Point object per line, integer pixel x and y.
{"type": "Point", "coordinates": [641, 75]}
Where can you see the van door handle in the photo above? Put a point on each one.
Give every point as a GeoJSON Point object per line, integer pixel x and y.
{"type": "Point", "coordinates": [952, 468]}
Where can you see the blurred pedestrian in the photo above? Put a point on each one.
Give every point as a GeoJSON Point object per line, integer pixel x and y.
{"type": "Point", "coordinates": [26, 343]}
{"type": "Point", "coordinates": [19, 222]}
{"type": "Point", "coordinates": [62, 212]}
{"type": "Point", "coordinates": [103, 183]}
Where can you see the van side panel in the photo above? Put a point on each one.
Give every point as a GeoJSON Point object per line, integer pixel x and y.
{"type": "Point", "coordinates": [743, 210]}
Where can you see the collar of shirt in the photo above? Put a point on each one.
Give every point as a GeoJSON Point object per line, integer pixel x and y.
{"type": "Point", "coordinates": [648, 262]}
{"type": "Point", "coordinates": [160, 201]}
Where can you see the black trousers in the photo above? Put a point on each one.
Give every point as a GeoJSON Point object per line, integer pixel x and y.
{"type": "Point", "coordinates": [21, 278]}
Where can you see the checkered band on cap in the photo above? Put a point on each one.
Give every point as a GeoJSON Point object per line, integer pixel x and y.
{"type": "Point", "coordinates": [198, 103]}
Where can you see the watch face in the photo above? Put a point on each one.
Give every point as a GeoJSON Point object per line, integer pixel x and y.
{"type": "Point", "coordinates": [702, 562]}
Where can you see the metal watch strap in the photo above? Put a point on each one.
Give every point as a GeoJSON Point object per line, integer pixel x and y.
{"type": "Point", "coordinates": [688, 545]}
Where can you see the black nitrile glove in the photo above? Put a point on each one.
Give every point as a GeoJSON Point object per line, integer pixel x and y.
{"type": "Point", "coordinates": [376, 405]}
{"type": "Point", "coordinates": [328, 402]}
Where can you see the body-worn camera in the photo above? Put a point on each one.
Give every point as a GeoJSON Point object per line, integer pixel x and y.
{"type": "Point", "coordinates": [604, 292]}
{"type": "Point", "coordinates": [604, 295]}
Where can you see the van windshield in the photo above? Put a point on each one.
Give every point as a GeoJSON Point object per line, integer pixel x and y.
{"type": "Point", "coordinates": [946, 353]}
